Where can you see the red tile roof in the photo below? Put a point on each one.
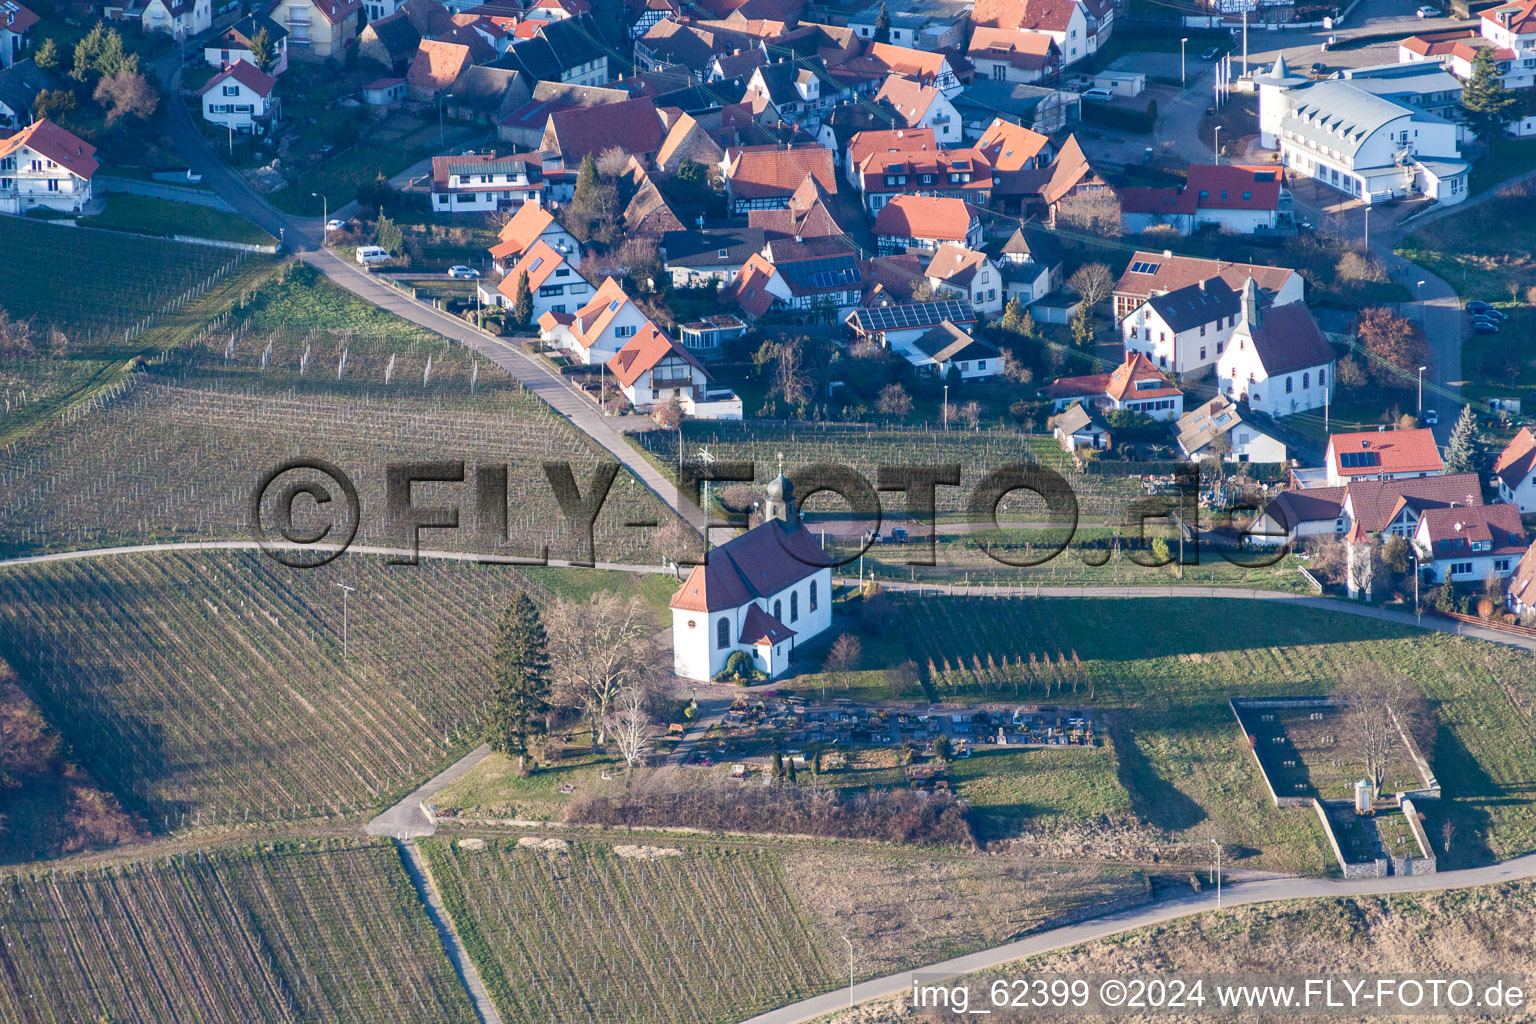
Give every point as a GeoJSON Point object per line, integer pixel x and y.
{"type": "Point", "coordinates": [1044, 15]}
{"type": "Point", "coordinates": [750, 289]}
{"type": "Point", "coordinates": [1169, 273]}
{"type": "Point", "coordinates": [758, 564]}
{"type": "Point", "coordinates": [1522, 584]}
{"type": "Point", "coordinates": [525, 226]}
{"type": "Point", "coordinates": [908, 63]}
{"type": "Point", "coordinates": [1517, 461]}
{"type": "Point", "coordinates": [935, 217]}
{"type": "Point", "coordinates": [336, 11]}
{"type": "Point", "coordinates": [539, 262]}
{"type": "Point", "coordinates": [1375, 503]}
{"type": "Point", "coordinates": [632, 125]}
{"type": "Point", "coordinates": [1027, 51]}
{"type": "Point", "coordinates": [1522, 16]}
{"type": "Point", "coordinates": [437, 64]}
{"type": "Point", "coordinates": [16, 18]}
{"type": "Point", "coordinates": [1395, 451]}
{"type": "Point", "coordinates": [910, 100]}
{"type": "Point", "coordinates": [642, 352]}
{"type": "Point", "coordinates": [1453, 531]}
{"type": "Point", "coordinates": [62, 147]}
{"type": "Point", "coordinates": [759, 172]}
{"type": "Point", "coordinates": [247, 74]}
{"type": "Point", "coordinates": [1435, 44]}
{"type": "Point", "coordinates": [1137, 368]}
{"type": "Point", "coordinates": [1009, 146]}
{"type": "Point", "coordinates": [1235, 187]}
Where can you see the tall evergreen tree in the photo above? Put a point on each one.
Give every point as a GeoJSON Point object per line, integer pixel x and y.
{"type": "Point", "coordinates": [522, 680]}
{"type": "Point", "coordinates": [47, 55]}
{"type": "Point", "coordinates": [263, 49]}
{"type": "Point", "coordinates": [883, 25]}
{"type": "Point", "coordinates": [586, 180]}
{"type": "Point", "coordinates": [522, 302]}
{"type": "Point", "coordinates": [388, 236]}
{"type": "Point", "coordinates": [1489, 106]}
{"type": "Point", "coordinates": [1461, 452]}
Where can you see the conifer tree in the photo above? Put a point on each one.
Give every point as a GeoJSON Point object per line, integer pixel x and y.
{"type": "Point", "coordinates": [520, 670]}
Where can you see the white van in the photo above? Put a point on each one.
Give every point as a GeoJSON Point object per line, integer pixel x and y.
{"type": "Point", "coordinates": [368, 254]}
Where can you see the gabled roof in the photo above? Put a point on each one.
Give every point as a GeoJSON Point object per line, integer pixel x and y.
{"type": "Point", "coordinates": [1039, 246]}
{"type": "Point", "coordinates": [1452, 532]}
{"type": "Point", "coordinates": [539, 263]}
{"type": "Point", "coordinates": [808, 215]}
{"type": "Point", "coordinates": [910, 100]}
{"type": "Point", "coordinates": [893, 142]}
{"type": "Point", "coordinates": [1521, 16]}
{"type": "Point", "coordinates": [1517, 461]}
{"type": "Point", "coordinates": [1206, 421]}
{"type": "Point", "coordinates": [21, 82]}
{"type": "Point", "coordinates": [247, 74]}
{"type": "Point", "coordinates": [1287, 340]}
{"type": "Point", "coordinates": [1075, 418]}
{"type": "Point", "coordinates": [705, 248]}
{"type": "Point", "coordinates": [522, 230]}
{"type": "Point", "coordinates": [1027, 51]}
{"type": "Point", "coordinates": [593, 318]}
{"type": "Point", "coordinates": [642, 352]}
{"type": "Point", "coordinates": [1196, 304]}
{"type": "Point", "coordinates": [750, 289]}
{"type": "Point", "coordinates": [1314, 505]}
{"type": "Point", "coordinates": [632, 125]}
{"type": "Point", "coordinates": [428, 17]}
{"type": "Point", "coordinates": [947, 343]}
{"type": "Point", "coordinates": [763, 630]}
{"type": "Point", "coordinates": [62, 147]}
{"type": "Point", "coordinates": [1522, 583]}
{"type": "Point", "coordinates": [919, 65]}
{"type": "Point", "coordinates": [1235, 187]}
{"type": "Point", "coordinates": [955, 264]}
{"type": "Point", "coordinates": [931, 217]}
{"type": "Point", "coordinates": [1150, 272]}
{"type": "Point", "coordinates": [1375, 503]}
{"type": "Point", "coordinates": [248, 28]}
{"type": "Point", "coordinates": [648, 212]}
{"type": "Point", "coordinates": [756, 565]}
{"type": "Point", "coordinates": [1136, 370]}
{"type": "Point", "coordinates": [16, 18]}
{"type": "Point", "coordinates": [760, 172]}
{"type": "Point", "coordinates": [437, 64]}
{"type": "Point", "coordinates": [1041, 15]}
{"type": "Point", "coordinates": [335, 11]}
{"type": "Point", "coordinates": [397, 34]}
{"type": "Point", "coordinates": [444, 168]}
{"type": "Point", "coordinates": [909, 315]}
{"type": "Point", "coordinates": [1372, 452]}
{"type": "Point", "coordinates": [1068, 170]}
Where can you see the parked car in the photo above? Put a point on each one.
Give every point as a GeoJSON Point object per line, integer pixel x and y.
{"type": "Point", "coordinates": [370, 254]}
{"type": "Point", "coordinates": [1428, 12]}
{"type": "Point", "coordinates": [1478, 306]}
{"type": "Point", "coordinates": [1431, 418]}
{"type": "Point", "coordinates": [1211, 54]}
{"type": "Point", "coordinates": [1483, 311]}
{"type": "Point", "coordinates": [335, 224]}
{"type": "Point", "coordinates": [1099, 95]}
{"type": "Point", "coordinates": [463, 272]}
{"type": "Point", "coordinates": [1319, 69]}
{"type": "Point", "coordinates": [899, 535]}
{"type": "Point", "coordinates": [1484, 327]}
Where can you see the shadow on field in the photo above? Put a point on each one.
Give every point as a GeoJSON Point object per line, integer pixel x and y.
{"type": "Point", "coordinates": [1154, 799]}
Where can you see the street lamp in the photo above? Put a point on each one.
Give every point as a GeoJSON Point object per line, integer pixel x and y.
{"type": "Point", "coordinates": [946, 407]}
{"type": "Point", "coordinates": [1421, 394]}
{"type": "Point", "coordinates": [1183, 76]}
{"type": "Point", "coordinates": [1217, 146]}
{"type": "Point", "coordinates": [1218, 871]}
{"type": "Point", "coordinates": [850, 970]}
{"type": "Point", "coordinates": [1420, 289]}
{"type": "Point", "coordinates": [325, 216]}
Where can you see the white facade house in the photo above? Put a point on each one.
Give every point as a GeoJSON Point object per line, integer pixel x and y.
{"type": "Point", "coordinates": [1220, 417]}
{"type": "Point", "coordinates": [44, 166]}
{"type": "Point", "coordinates": [1514, 472]}
{"type": "Point", "coordinates": [15, 21]}
{"type": "Point", "coordinates": [180, 19]}
{"type": "Point", "coordinates": [1364, 144]}
{"type": "Point", "coordinates": [970, 274]}
{"type": "Point", "coordinates": [554, 285]}
{"type": "Point", "coordinates": [762, 593]}
{"type": "Point", "coordinates": [532, 223]}
{"type": "Point", "coordinates": [485, 182]}
{"type": "Point", "coordinates": [234, 44]}
{"type": "Point", "coordinates": [923, 106]}
{"type": "Point", "coordinates": [652, 369]}
{"type": "Point", "coordinates": [1277, 360]}
{"type": "Point", "coordinates": [1468, 544]}
{"type": "Point", "coordinates": [1186, 330]}
{"type": "Point", "coordinates": [239, 98]}
{"type": "Point", "coordinates": [597, 331]}
{"type": "Point", "coordinates": [947, 347]}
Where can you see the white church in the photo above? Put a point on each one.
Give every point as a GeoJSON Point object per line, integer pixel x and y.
{"type": "Point", "coordinates": [762, 593]}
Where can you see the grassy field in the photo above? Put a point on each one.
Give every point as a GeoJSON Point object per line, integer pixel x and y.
{"type": "Point", "coordinates": [305, 369]}
{"type": "Point", "coordinates": [1180, 756]}
{"type": "Point", "coordinates": [147, 215]}
{"type": "Point", "coordinates": [210, 689]}
{"type": "Point", "coordinates": [1486, 929]}
{"type": "Point", "coordinates": [583, 934]}
{"type": "Point", "coordinates": [317, 931]}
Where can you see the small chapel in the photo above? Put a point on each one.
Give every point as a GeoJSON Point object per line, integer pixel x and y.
{"type": "Point", "coordinates": [761, 593]}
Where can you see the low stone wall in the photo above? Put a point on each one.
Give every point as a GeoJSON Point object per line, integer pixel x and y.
{"type": "Point", "coordinates": [1241, 704]}
{"type": "Point", "coordinates": [1424, 864]}
{"type": "Point", "coordinates": [1376, 868]}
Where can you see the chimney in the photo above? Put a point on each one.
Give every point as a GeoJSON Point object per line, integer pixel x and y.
{"type": "Point", "coordinates": [1202, 286]}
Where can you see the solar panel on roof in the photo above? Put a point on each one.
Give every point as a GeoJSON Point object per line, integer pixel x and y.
{"type": "Point", "coordinates": [924, 314]}
{"type": "Point", "coordinates": [1358, 460]}
{"type": "Point", "coordinates": [1143, 267]}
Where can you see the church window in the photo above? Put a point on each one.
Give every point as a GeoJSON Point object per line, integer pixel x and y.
{"type": "Point", "coordinates": [813, 595]}
{"type": "Point", "coordinates": [794, 607]}
{"type": "Point", "coordinates": [778, 610]}
{"type": "Point", "coordinates": [723, 634]}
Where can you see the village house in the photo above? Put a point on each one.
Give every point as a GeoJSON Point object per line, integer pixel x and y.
{"type": "Point", "coordinates": [912, 24]}
{"type": "Point", "coordinates": [1382, 455]}
{"type": "Point", "coordinates": [1031, 265]}
{"type": "Point", "coordinates": [1080, 427]}
{"type": "Point", "coordinates": [947, 347]}
{"type": "Point", "coordinates": [434, 68]}
{"type": "Point", "coordinates": [595, 332]}
{"type": "Point", "coordinates": [880, 61]}
{"type": "Point", "coordinates": [1231, 198]}
{"type": "Point", "coordinates": [179, 19]}
{"type": "Point", "coordinates": [317, 28]}
{"type": "Point", "coordinates": [1012, 55]}
{"type": "Point", "coordinates": [554, 285]}
{"type": "Point", "coordinates": [1134, 386]}
{"type": "Point", "coordinates": [1514, 471]}
{"type": "Point", "coordinates": [530, 224]}
{"type": "Point", "coordinates": [908, 161]}
{"type": "Point", "coordinates": [631, 125]}
{"type": "Point", "coordinates": [765, 177]}
{"type": "Point", "coordinates": [694, 258]}
{"type": "Point", "coordinates": [1043, 192]}
{"type": "Point", "coordinates": [811, 213]}
{"type": "Point", "coordinates": [1277, 360]}
{"type": "Point", "coordinates": [486, 182]}
{"type": "Point", "coordinates": [925, 222]}
{"type": "Point", "coordinates": [234, 44]}
{"type": "Point", "coordinates": [1381, 508]}
{"type": "Point", "coordinates": [568, 51]}
{"type": "Point", "coordinates": [1186, 330]}
{"type": "Point", "coordinates": [652, 369]}
{"type": "Point", "coordinates": [969, 273]}
{"type": "Point", "coordinates": [20, 85]}
{"type": "Point", "coordinates": [922, 106]}
{"type": "Point", "coordinates": [1150, 273]}
{"type": "Point", "coordinates": [239, 98]}
{"type": "Point", "coordinates": [16, 21]}
{"type": "Point", "coordinates": [1221, 425]}
{"type": "Point", "coordinates": [1521, 592]}
{"type": "Point", "coordinates": [819, 275]}
{"type": "Point", "coordinates": [1011, 147]}
{"type": "Point", "coordinates": [1078, 27]}
{"type": "Point", "coordinates": [898, 326]}
{"type": "Point", "coordinates": [761, 593]}
{"type": "Point", "coordinates": [792, 91]}
{"type": "Point", "coordinates": [45, 166]}
{"type": "Point", "coordinates": [1467, 545]}
{"type": "Point", "coordinates": [391, 42]}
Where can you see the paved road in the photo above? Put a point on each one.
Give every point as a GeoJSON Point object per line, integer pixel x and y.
{"type": "Point", "coordinates": [408, 818]}
{"type": "Point", "coordinates": [160, 190]}
{"type": "Point", "coordinates": [1243, 893]}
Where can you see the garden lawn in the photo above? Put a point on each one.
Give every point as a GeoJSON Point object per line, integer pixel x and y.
{"type": "Point", "coordinates": [146, 215]}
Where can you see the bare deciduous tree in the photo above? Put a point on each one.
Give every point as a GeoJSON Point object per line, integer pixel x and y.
{"type": "Point", "coordinates": [1094, 282]}
{"type": "Point", "coordinates": [1379, 708]}
{"type": "Point", "coordinates": [1096, 211]}
{"type": "Point", "coordinates": [842, 659]}
{"type": "Point", "coordinates": [631, 727]}
{"type": "Point", "coordinates": [126, 94]}
{"type": "Point", "coordinates": [893, 401]}
{"type": "Point", "coordinates": [599, 648]}
{"type": "Point", "coordinates": [612, 162]}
